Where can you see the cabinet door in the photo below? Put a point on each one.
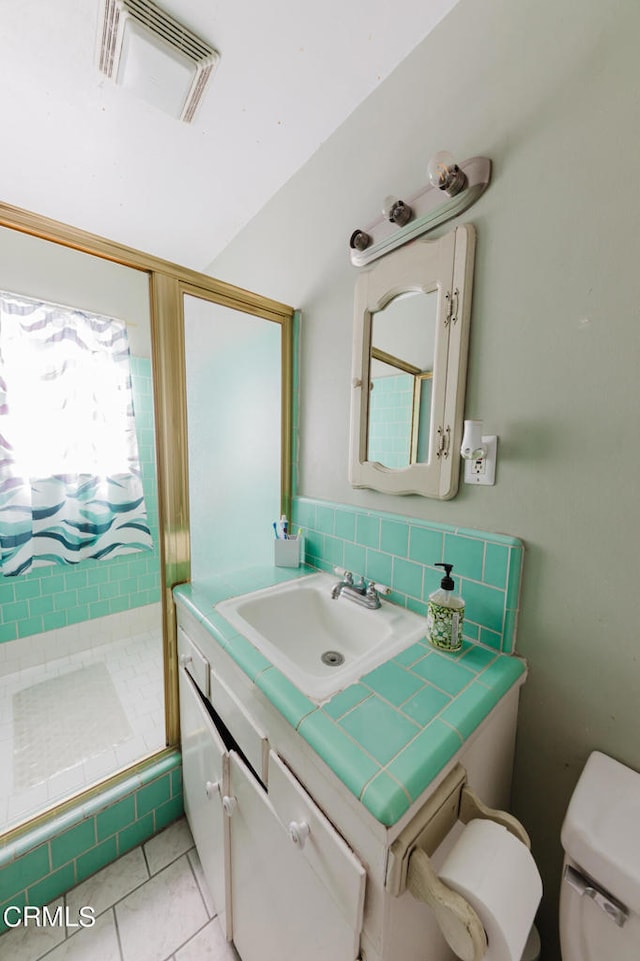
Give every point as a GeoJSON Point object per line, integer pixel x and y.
{"type": "Point", "coordinates": [281, 907]}
{"type": "Point", "coordinates": [205, 765]}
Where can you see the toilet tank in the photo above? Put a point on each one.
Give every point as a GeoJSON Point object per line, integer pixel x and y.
{"type": "Point", "coordinates": [600, 899]}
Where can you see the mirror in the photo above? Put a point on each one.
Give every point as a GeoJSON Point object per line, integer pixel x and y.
{"type": "Point", "coordinates": [400, 374]}
{"type": "Point", "coordinates": [409, 367]}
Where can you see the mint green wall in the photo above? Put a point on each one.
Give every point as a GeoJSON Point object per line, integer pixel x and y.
{"type": "Point", "coordinates": [549, 91]}
{"type": "Point", "coordinates": [53, 597]}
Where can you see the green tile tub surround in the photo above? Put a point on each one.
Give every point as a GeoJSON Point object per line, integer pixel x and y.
{"type": "Point", "coordinates": [387, 735]}
{"type": "Point", "coordinates": [43, 863]}
{"type": "Point", "coordinates": [53, 597]}
{"type": "Point", "coordinates": [401, 552]}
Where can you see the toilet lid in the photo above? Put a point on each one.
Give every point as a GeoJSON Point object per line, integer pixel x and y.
{"type": "Point", "coordinates": [600, 832]}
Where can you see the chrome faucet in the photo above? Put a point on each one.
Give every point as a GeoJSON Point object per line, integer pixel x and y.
{"type": "Point", "coordinates": [362, 593]}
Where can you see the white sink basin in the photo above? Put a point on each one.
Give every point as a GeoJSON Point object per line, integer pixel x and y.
{"type": "Point", "coordinates": [294, 624]}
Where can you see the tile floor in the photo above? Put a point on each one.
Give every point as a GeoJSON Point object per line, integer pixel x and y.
{"type": "Point", "coordinates": [121, 715]}
{"type": "Point", "coordinates": [152, 904]}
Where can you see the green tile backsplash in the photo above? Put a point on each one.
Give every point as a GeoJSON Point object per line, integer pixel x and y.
{"type": "Point", "coordinates": [39, 866]}
{"type": "Point", "coordinates": [401, 552]}
{"type": "Point", "coordinates": [54, 597]}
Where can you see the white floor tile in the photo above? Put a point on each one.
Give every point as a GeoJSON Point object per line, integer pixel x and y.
{"type": "Point", "coordinates": [109, 885]}
{"type": "Point", "coordinates": [99, 943]}
{"type": "Point", "coordinates": [202, 883]}
{"type": "Point", "coordinates": [208, 945]}
{"type": "Point", "coordinates": [161, 915]}
{"type": "Point", "coordinates": [30, 943]}
{"type": "Point", "coordinates": [168, 845]}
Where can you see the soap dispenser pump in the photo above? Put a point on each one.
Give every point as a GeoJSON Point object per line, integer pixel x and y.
{"type": "Point", "coordinates": [445, 614]}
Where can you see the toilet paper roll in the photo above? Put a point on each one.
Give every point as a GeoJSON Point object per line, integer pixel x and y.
{"type": "Point", "coordinates": [497, 875]}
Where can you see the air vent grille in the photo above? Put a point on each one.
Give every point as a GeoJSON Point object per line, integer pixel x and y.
{"type": "Point", "coordinates": [203, 56]}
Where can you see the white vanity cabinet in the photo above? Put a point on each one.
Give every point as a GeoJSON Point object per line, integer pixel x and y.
{"type": "Point", "coordinates": [283, 880]}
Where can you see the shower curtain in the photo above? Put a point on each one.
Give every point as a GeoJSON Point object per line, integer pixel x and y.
{"type": "Point", "coordinates": [70, 480]}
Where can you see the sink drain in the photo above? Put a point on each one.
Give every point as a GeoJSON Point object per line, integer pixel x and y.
{"type": "Point", "coordinates": [332, 658]}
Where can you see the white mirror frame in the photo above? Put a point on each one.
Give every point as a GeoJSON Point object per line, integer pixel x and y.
{"type": "Point", "coordinates": [444, 265]}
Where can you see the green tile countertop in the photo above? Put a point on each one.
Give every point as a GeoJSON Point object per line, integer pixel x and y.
{"type": "Point", "coordinates": [388, 735]}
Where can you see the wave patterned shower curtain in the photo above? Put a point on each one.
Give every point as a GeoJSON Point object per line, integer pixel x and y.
{"type": "Point", "coordinates": [70, 481]}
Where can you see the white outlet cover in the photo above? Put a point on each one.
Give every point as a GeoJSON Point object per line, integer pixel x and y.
{"type": "Point", "coordinates": [483, 472]}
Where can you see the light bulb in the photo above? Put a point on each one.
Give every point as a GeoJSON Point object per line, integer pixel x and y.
{"type": "Point", "coordinates": [396, 211]}
{"type": "Point", "coordinates": [444, 173]}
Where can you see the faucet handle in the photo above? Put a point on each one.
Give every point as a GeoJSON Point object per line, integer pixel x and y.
{"type": "Point", "coordinates": [342, 572]}
{"type": "Point", "coordinates": [378, 588]}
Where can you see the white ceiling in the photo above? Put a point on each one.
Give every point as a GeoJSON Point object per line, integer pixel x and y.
{"type": "Point", "coordinates": [82, 150]}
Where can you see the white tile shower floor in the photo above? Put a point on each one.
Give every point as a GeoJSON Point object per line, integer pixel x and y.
{"type": "Point", "coordinates": [152, 904]}
{"type": "Point", "coordinates": [75, 720]}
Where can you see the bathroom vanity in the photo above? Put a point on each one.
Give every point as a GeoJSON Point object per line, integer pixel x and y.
{"type": "Point", "coordinates": [295, 806]}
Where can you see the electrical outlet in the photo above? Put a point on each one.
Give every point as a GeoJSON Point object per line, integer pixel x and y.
{"type": "Point", "coordinates": [483, 469]}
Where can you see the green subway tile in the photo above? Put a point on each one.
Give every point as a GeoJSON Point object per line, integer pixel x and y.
{"type": "Point", "coordinates": [7, 593]}
{"type": "Point", "coordinates": [290, 702]}
{"type": "Point", "coordinates": [8, 632]}
{"type": "Point", "coordinates": [87, 595]}
{"type": "Point", "coordinates": [176, 782]}
{"type": "Point", "coordinates": [378, 567]}
{"type": "Point", "coordinates": [99, 609]}
{"type": "Point", "coordinates": [496, 562]}
{"type": "Point", "coordinates": [15, 611]}
{"type": "Point", "coordinates": [444, 672]}
{"type": "Point", "coordinates": [168, 813]}
{"type": "Point", "coordinates": [345, 525]}
{"type": "Point", "coordinates": [422, 760]}
{"type": "Point", "coordinates": [378, 728]}
{"type": "Point", "coordinates": [343, 701]}
{"type": "Point", "coordinates": [54, 620]}
{"type": "Point", "coordinates": [52, 886]}
{"type": "Point", "coordinates": [30, 625]}
{"type": "Point", "coordinates": [394, 538]}
{"type": "Point", "coordinates": [53, 584]}
{"type": "Point", "coordinates": [470, 708]}
{"type": "Point", "coordinates": [18, 901]}
{"type": "Point", "coordinates": [25, 871]}
{"type": "Point", "coordinates": [75, 578]}
{"type": "Point", "coordinates": [305, 514]}
{"type": "Point", "coordinates": [109, 590]}
{"type": "Point", "coordinates": [484, 605]}
{"type": "Point", "coordinates": [325, 518]}
{"type": "Point", "coordinates": [73, 842]}
{"type": "Point", "coordinates": [135, 834]}
{"type": "Point", "coordinates": [115, 817]}
{"type": "Point", "coordinates": [78, 614]}
{"type": "Point", "coordinates": [119, 604]}
{"type": "Point", "coordinates": [96, 858]}
{"type": "Point", "coordinates": [152, 795]}
{"type": "Point", "coordinates": [510, 630]}
{"type": "Point", "coordinates": [466, 554]}
{"type": "Point", "coordinates": [385, 799]}
{"type": "Point", "coordinates": [26, 589]}
{"type": "Point", "coordinates": [426, 704]}
{"type": "Point", "coordinates": [40, 605]}
{"type": "Point", "coordinates": [425, 545]}
{"type": "Point", "coordinates": [470, 630]}
{"type": "Point", "coordinates": [418, 607]}
{"type": "Point", "coordinates": [407, 577]}
{"type": "Point", "coordinates": [410, 655]}
{"type": "Point", "coordinates": [97, 575]}
{"type": "Point", "coordinates": [392, 682]}
{"type": "Point", "coordinates": [368, 530]}
{"type": "Point", "coordinates": [352, 765]}
{"type": "Point", "coordinates": [65, 600]}
{"type": "Point", "coordinates": [333, 550]}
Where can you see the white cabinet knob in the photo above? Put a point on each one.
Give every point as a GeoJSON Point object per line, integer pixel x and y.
{"type": "Point", "coordinates": [211, 788]}
{"type": "Point", "coordinates": [229, 804]}
{"type": "Point", "coordinates": [185, 659]}
{"type": "Point", "coordinates": [299, 832]}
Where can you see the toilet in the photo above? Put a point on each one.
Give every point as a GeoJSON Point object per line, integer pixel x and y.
{"type": "Point", "coordinates": [600, 891]}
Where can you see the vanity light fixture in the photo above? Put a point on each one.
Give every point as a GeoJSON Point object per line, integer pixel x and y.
{"type": "Point", "coordinates": [452, 188]}
{"type": "Point", "coordinates": [479, 454]}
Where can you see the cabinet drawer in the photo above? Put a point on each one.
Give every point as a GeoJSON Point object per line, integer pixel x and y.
{"type": "Point", "coordinates": [193, 660]}
{"type": "Point", "coordinates": [326, 852]}
{"type": "Point", "coordinates": [252, 741]}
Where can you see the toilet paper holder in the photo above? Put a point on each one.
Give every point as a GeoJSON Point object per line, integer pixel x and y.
{"type": "Point", "coordinates": [409, 866]}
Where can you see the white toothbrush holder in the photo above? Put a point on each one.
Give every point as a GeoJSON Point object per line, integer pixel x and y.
{"type": "Point", "coordinates": [286, 553]}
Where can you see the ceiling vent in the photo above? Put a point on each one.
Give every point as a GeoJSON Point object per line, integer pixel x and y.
{"type": "Point", "coordinates": [144, 49]}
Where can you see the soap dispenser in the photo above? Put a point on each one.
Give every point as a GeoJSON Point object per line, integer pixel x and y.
{"type": "Point", "coordinates": [445, 614]}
